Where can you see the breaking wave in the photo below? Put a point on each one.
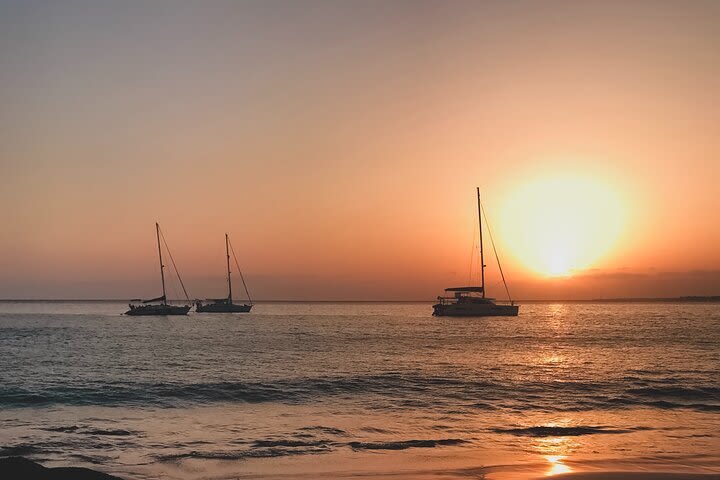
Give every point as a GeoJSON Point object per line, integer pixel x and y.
{"type": "Point", "coordinates": [387, 391]}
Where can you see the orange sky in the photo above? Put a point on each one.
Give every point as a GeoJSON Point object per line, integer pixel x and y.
{"type": "Point", "coordinates": [339, 143]}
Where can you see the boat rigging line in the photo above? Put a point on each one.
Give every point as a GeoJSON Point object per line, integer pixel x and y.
{"type": "Point", "coordinates": [497, 257]}
{"type": "Point", "coordinates": [472, 257]}
{"type": "Point", "coordinates": [240, 271]}
{"type": "Point", "coordinates": [173, 263]}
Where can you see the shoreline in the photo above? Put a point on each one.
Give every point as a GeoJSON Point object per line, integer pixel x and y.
{"type": "Point", "coordinates": [23, 467]}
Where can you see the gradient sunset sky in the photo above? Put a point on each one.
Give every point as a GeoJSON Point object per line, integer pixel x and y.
{"type": "Point", "coordinates": [339, 144]}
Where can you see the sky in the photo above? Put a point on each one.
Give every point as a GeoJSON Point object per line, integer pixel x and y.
{"type": "Point", "coordinates": [339, 144]}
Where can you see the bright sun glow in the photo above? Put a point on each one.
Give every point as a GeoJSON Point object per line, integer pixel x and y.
{"type": "Point", "coordinates": [561, 224]}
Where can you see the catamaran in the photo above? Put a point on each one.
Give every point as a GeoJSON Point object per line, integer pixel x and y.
{"type": "Point", "coordinates": [148, 307]}
{"type": "Point", "coordinates": [470, 301]}
{"type": "Point", "coordinates": [226, 305]}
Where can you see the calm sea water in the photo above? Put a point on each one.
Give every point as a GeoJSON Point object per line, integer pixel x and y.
{"type": "Point", "coordinates": [344, 390]}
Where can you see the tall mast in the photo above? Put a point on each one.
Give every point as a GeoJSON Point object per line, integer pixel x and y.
{"type": "Point", "coordinates": [227, 254]}
{"type": "Point", "coordinates": [482, 261]}
{"type": "Point", "coordinates": [162, 273]}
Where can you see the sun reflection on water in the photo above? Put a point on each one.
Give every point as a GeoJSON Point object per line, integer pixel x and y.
{"type": "Point", "coordinates": [555, 450]}
{"type": "Point", "coordinates": [556, 465]}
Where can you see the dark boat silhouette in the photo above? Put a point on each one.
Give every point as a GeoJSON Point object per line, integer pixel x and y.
{"type": "Point", "coordinates": [148, 307]}
{"type": "Point", "coordinates": [226, 305]}
{"type": "Point", "coordinates": [470, 301]}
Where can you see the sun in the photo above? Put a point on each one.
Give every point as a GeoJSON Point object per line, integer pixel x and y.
{"type": "Point", "coordinates": [561, 224]}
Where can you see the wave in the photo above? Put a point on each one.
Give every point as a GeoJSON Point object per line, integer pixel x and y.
{"type": "Point", "coordinates": [243, 454]}
{"type": "Point", "coordinates": [326, 430]}
{"type": "Point", "coordinates": [390, 391]}
{"type": "Point", "coordinates": [282, 448]}
{"type": "Point", "coordinates": [663, 404]}
{"type": "Point", "coordinates": [93, 459]}
{"type": "Point", "coordinates": [288, 443]}
{"type": "Point", "coordinates": [405, 444]}
{"type": "Point", "coordinates": [20, 450]}
{"type": "Point", "coordinates": [91, 431]}
{"type": "Point", "coordinates": [677, 392]}
{"type": "Point", "coordinates": [290, 390]}
{"type": "Point", "coordinates": [574, 431]}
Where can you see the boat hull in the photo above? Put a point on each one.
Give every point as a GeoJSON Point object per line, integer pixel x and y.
{"type": "Point", "coordinates": [475, 310]}
{"type": "Point", "coordinates": [223, 308]}
{"type": "Point", "coordinates": [158, 310]}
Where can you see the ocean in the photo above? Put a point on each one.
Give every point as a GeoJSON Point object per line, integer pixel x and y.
{"type": "Point", "coordinates": [351, 390]}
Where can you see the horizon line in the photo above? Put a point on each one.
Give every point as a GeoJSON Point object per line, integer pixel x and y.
{"type": "Point", "coordinates": [685, 298]}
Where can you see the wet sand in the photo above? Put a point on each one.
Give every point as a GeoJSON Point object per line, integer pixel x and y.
{"type": "Point", "coordinates": [383, 466]}
{"type": "Point", "coordinates": [451, 463]}
{"type": "Point", "coordinates": [637, 476]}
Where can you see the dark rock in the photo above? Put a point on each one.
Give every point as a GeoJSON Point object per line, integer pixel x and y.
{"type": "Point", "coordinates": [20, 468]}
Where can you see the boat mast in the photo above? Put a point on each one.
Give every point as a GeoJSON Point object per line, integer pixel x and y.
{"type": "Point", "coordinates": [482, 261]}
{"type": "Point", "coordinates": [227, 254]}
{"type": "Point", "coordinates": [162, 273]}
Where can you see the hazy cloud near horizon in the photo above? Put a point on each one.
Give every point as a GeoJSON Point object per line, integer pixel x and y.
{"type": "Point", "coordinates": [310, 287]}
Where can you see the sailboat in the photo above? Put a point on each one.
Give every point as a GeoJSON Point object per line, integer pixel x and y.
{"type": "Point", "coordinates": [470, 301]}
{"type": "Point", "coordinates": [148, 307]}
{"type": "Point", "coordinates": [226, 305]}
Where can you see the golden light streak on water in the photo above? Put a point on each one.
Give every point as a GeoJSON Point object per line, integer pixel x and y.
{"type": "Point", "coordinates": [556, 465]}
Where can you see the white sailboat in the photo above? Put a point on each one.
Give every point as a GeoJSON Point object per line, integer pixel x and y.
{"type": "Point", "coordinates": [470, 301]}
